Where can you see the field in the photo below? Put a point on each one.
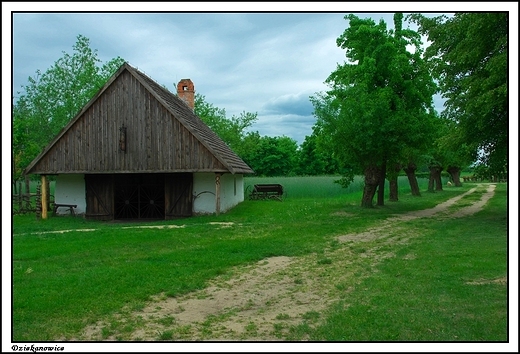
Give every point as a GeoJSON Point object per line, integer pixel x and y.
{"type": "Point", "coordinates": [313, 267]}
{"type": "Point", "coordinates": [322, 186]}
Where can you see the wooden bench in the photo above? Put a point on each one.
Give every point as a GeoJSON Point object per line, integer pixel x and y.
{"type": "Point", "coordinates": [267, 191]}
{"type": "Point", "coordinates": [70, 206]}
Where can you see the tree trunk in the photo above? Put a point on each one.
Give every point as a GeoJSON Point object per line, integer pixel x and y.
{"type": "Point", "coordinates": [431, 182]}
{"type": "Point", "coordinates": [412, 179]}
{"type": "Point", "coordinates": [393, 189]}
{"type": "Point", "coordinates": [392, 178]}
{"type": "Point", "coordinates": [435, 179]}
{"type": "Point", "coordinates": [372, 177]}
{"type": "Point", "coordinates": [455, 175]}
{"type": "Point", "coordinates": [381, 186]}
{"type": "Point", "coordinates": [438, 179]}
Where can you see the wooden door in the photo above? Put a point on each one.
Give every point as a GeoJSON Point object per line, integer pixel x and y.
{"type": "Point", "coordinates": [178, 195]}
{"type": "Point", "coordinates": [99, 190]}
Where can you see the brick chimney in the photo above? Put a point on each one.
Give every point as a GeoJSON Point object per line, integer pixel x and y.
{"type": "Point", "coordinates": [186, 92]}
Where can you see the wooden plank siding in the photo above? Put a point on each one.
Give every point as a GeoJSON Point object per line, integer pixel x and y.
{"type": "Point", "coordinates": [163, 134]}
{"type": "Point", "coordinates": [156, 141]}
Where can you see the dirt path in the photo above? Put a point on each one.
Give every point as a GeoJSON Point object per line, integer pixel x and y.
{"type": "Point", "coordinates": [261, 302]}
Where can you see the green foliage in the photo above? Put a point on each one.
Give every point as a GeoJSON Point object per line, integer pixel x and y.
{"type": "Point", "coordinates": [51, 99]}
{"type": "Point", "coordinates": [491, 173]}
{"type": "Point", "coordinates": [468, 55]}
{"type": "Point", "coordinates": [313, 160]}
{"type": "Point", "coordinates": [272, 156]}
{"type": "Point", "coordinates": [379, 108]}
{"type": "Point", "coordinates": [267, 156]}
{"type": "Point", "coordinates": [450, 147]}
{"type": "Point", "coordinates": [232, 130]}
{"type": "Point", "coordinates": [346, 179]}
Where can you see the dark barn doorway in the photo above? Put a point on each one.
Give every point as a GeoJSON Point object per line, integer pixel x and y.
{"type": "Point", "coordinates": [139, 196]}
{"type": "Point", "coordinates": [135, 196]}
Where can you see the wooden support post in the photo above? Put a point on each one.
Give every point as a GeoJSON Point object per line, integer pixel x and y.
{"type": "Point", "coordinates": [217, 193]}
{"type": "Point", "coordinates": [45, 197]}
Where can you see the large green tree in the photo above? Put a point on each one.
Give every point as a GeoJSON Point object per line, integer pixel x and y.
{"type": "Point", "coordinates": [379, 101]}
{"type": "Point", "coordinates": [469, 57]}
{"type": "Point", "coordinates": [52, 98]}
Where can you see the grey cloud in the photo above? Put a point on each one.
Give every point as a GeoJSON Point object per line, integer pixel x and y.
{"type": "Point", "coordinates": [294, 104]}
{"type": "Point", "coordinates": [294, 126]}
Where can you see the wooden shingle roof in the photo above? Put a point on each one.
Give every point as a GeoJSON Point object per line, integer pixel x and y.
{"type": "Point", "coordinates": [159, 117]}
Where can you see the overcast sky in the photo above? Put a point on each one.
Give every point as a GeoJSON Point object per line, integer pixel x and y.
{"type": "Point", "coordinates": [267, 63]}
{"type": "Point", "coordinates": [264, 63]}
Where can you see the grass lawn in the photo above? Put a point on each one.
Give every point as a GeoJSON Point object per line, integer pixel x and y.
{"type": "Point", "coordinates": [65, 281]}
{"type": "Point", "coordinates": [447, 285]}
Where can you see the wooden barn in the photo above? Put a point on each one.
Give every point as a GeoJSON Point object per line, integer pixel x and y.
{"type": "Point", "coordinates": [138, 151]}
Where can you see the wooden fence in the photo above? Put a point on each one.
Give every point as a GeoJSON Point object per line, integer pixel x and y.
{"type": "Point", "coordinates": [26, 202]}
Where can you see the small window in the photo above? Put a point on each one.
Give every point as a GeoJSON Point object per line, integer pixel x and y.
{"type": "Point", "coordinates": [235, 186]}
{"type": "Point", "coordinates": [185, 88]}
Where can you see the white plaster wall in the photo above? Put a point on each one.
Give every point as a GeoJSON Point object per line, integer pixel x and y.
{"type": "Point", "coordinates": [231, 192]}
{"type": "Point", "coordinates": [203, 193]}
{"type": "Point", "coordinates": [70, 189]}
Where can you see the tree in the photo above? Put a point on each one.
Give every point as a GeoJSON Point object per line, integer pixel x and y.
{"type": "Point", "coordinates": [313, 160]}
{"type": "Point", "coordinates": [435, 181]}
{"type": "Point", "coordinates": [378, 102]}
{"type": "Point", "coordinates": [409, 169]}
{"type": "Point", "coordinates": [271, 156]}
{"type": "Point", "coordinates": [469, 57]}
{"type": "Point", "coordinates": [53, 98]}
{"type": "Point", "coordinates": [392, 172]}
{"type": "Point", "coordinates": [454, 152]}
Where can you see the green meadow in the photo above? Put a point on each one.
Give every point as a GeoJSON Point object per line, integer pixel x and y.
{"type": "Point", "coordinates": [454, 288]}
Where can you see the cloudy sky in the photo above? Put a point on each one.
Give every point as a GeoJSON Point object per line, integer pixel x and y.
{"type": "Point", "coordinates": [266, 62]}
